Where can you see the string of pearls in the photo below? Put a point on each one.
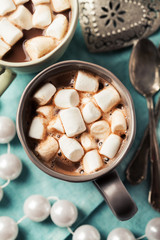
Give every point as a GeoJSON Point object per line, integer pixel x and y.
{"type": "Point", "coordinates": [64, 213]}
{"type": "Point", "coordinates": [10, 164]}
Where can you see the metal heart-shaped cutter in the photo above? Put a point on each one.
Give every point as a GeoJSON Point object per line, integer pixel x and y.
{"type": "Point", "coordinates": [114, 24]}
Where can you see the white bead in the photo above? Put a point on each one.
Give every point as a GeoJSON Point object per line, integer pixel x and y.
{"type": "Point", "coordinates": [153, 229]}
{"type": "Point", "coordinates": [1, 193]}
{"type": "Point", "coordinates": [7, 130]}
{"type": "Point", "coordinates": [10, 166]}
{"type": "Point", "coordinates": [120, 234]}
{"type": "Point", "coordinates": [37, 208]}
{"type": "Point", "coordinates": [86, 232]}
{"type": "Point", "coordinates": [8, 228]}
{"type": "Point", "coordinates": [63, 213]}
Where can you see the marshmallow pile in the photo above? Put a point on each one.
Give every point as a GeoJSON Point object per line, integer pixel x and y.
{"type": "Point", "coordinates": [80, 122]}
{"type": "Point", "coordinates": [48, 16]}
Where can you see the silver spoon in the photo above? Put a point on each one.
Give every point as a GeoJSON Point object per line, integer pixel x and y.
{"type": "Point", "coordinates": [144, 75]}
{"type": "Point", "coordinates": [136, 170]}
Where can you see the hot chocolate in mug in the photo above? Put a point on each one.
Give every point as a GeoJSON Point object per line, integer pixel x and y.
{"type": "Point", "coordinates": [106, 179]}
{"type": "Point", "coordinates": [9, 69]}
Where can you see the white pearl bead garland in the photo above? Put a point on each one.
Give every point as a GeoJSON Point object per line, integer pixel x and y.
{"type": "Point", "coordinates": [86, 232]}
{"type": "Point", "coordinates": [153, 229]}
{"type": "Point", "coordinates": [7, 129]}
{"type": "Point", "coordinates": [10, 164]}
{"type": "Point", "coordinates": [120, 234]}
{"type": "Point", "coordinates": [8, 228]}
{"type": "Point", "coordinates": [38, 208]}
{"type": "Point", "coordinates": [63, 213]}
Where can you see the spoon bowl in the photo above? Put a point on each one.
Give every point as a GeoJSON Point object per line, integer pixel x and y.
{"type": "Point", "coordinates": [143, 68]}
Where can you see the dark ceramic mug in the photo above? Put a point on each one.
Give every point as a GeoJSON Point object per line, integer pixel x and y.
{"type": "Point", "coordinates": [106, 179]}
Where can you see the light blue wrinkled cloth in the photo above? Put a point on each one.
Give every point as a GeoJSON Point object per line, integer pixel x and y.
{"type": "Point", "coordinates": [92, 209]}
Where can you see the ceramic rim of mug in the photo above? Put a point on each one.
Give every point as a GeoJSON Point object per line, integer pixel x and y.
{"type": "Point", "coordinates": [72, 26]}
{"type": "Point", "coordinates": [85, 66]}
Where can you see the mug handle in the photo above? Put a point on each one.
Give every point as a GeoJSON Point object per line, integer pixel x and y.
{"type": "Point", "coordinates": [6, 77]}
{"type": "Point", "coordinates": [116, 196]}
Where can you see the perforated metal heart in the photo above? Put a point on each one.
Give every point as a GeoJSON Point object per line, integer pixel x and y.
{"type": "Point", "coordinates": [113, 24]}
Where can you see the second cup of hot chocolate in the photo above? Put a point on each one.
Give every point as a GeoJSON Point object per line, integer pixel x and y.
{"type": "Point", "coordinates": [33, 35]}
{"type": "Point", "coordinates": [78, 126]}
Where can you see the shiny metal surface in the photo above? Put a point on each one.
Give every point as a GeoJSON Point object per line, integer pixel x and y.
{"type": "Point", "coordinates": [115, 24]}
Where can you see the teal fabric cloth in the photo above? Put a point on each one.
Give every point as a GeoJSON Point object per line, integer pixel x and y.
{"type": "Point", "coordinates": [91, 206]}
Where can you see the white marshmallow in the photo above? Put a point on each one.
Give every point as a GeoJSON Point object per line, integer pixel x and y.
{"type": "Point", "coordinates": [72, 121]}
{"type": "Point", "coordinates": [91, 113]}
{"type": "Point", "coordinates": [22, 17]}
{"type": "Point", "coordinates": [92, 161]}
{"type": "Point", "coordinates": [71, 148]}
{"type": "Point", "coordinates": [60, 5]}
{"type": "Point", "coordinates": [36, 2]}
{"type": "Point", "coordinates": [48, 148]}
{"type": "Point", "coordinates": [86, 82]}
{"type": "Point", "coordinates": [37, 128]}
{"type": "Point", "coordinates": [100, 129]}
{"type": "Point", "coordinates": [9, 32]}
{"type": "Point", "coordinates": [85, 100]}
{"type": "Point", "coordinates": [45, 93]}
{"type": "Point", "coordinates": [17, 2]}
{"type": "Point", "coordinates": [37, 47]}
{"type": "Point", "coordinates": [118, 122]}
{"type": "Point", "coordinates": [111, 146]}
{"type": "Point", "coordinates": [46, 111]}
{"type": "Point", "coordinates": [4, 48]}
{"type": "Point", "coordinates": [55, 124]}
{"type": "Point", "coordinates": [58, 27]}
{"type": "Point", "coordinates": [6, 6]}
{"type": "Point", "coordinates": [66, 98]}
{"type": "Point", "coordinates": [107, 98]}
{"type": "Point", "coordinates": [88, 142]}
{"type": "Point", "coordinates": [42, 16]}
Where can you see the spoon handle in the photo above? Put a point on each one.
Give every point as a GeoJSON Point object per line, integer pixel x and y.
{"type": "Point", "coordinates": [154, 193]}
{"type": "Point", "coordinates": [136, 171]}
